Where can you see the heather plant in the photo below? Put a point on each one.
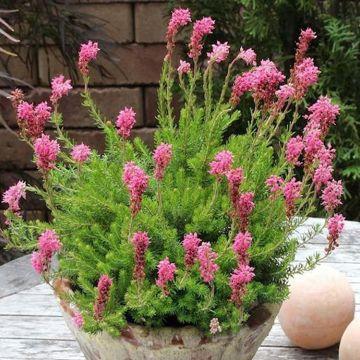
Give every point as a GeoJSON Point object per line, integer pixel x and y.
{"type": "Point", "coordinates": [201, 230]}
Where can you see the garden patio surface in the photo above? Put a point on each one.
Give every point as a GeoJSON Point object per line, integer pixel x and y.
{"type": "Point", "coordinates": [31, 325]}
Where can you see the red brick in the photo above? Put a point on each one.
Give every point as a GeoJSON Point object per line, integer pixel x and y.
{"type": "Point", "coordinates": [114, 21]}
{"type": "Point", "coordinates": [150, 22]}
{"type": "Point", "coordinates": [146, 134]}
{"type": "Point", "coordinates": [131, 65]}
{"type": "Point", "coordinates": [109, 101]}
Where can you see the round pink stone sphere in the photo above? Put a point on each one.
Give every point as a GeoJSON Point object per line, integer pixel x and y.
{"type": "Point", "coordinates": [350, 342]}
{"type": "Point", "coordinates": [320, 307]}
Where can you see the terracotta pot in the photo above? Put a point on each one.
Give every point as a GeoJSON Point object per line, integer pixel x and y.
{"type": "Point", "coordinates": [185, 343]}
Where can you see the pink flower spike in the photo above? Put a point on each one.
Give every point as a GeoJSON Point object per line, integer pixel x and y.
{"type": "Point", "coordinates": [179, 18]}
{"type": "Point", "coordinates": [248, 56]}
{"type": "Point", "coordinates": [235, 178]}
{"type": "Point", "coordinates": [238, 281]}
{"type": "Point", "coordinates": [284, 93]}
{"type": "Point", "coordinates": [37, 262]}
{"type": "Point", "coordinates": [312, 145]}
{"type": "Point", "coordinates": [80, 153]}
{"type": "Point", "coordinates": [305, 75]}
{"type": "Point", "coordinates": [13, 195]}
{"type": "Point", "coordinates": [306, 36]}
{"type": "Point", "coordinates": [166, 273]}
{"type": "Point", "coordinates": [335, 227]}
{"type": "Point", "coordinates": [87, 53]}
{"type": "Point", "coordinates": [103, 290]}
{"type": "Point", "coordinates": [60, 87]}
{"type": "Point", "coordinates": [46, 152]}
{"type": "Point", "coordinates": [136, 182]}
{"type": "Point", "coordinates": [78, 320]}
{"type": "Point", "coordinates": [274, 183]}
{"type": "Point", "coordinates": [162, 157]}
{"type": "Point", "coordinates": [214, 326]}
{"type": "Point", "coordinates": [331, 195]}
{"type": "Point", "coordinates": [184, 67]}
{"type": "Point", "coordinates": [244, 208]}
{"type": "Point", "coordinates": [49, 243]}
{"type": "Point", "coordinates": [202, 27]}
{"type": "Point", "coordinates": [292, 192]}
{"type": "Point", "coordinates": [141, 242]}
{"type": "Point", "coordinates": [294, 149]}
{"type": "Point", "coordinates": [191, 244]}
{"type": "Point", "coordinates": [125, 122]}
{"type": "Point", "coordinates": [220, 52]}
{"type": "Point", "coordinates": [242, 84]}
{"type": "Point", "coordinates": [222, 163]}
{"type": "Point", "coordinates": [242, 243]}
{"type": "Point", "coordinates": [16, 97]}
{"type": "Point", "coordinates": [322, 115]}
{"type": "Point", "coordinates": [207, 257]}
{"type": "Point", "coordinates": [322, 175]}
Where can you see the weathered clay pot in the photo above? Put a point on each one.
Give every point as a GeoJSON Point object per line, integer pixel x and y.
{"type": "Point", "coordinates": [184, 343]}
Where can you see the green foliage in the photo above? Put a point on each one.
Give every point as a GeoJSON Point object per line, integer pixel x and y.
{"type": "Point", "coordinates": [271, 27]}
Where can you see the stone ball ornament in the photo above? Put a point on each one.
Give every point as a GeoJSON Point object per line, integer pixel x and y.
{"type": "Point", "coordinates": [350, 342]}
{"type": "Point", "coordinates": [320, 306]}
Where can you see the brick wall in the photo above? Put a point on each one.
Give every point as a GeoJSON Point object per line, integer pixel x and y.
{"type": "Point", "coordinates": [139, 29]}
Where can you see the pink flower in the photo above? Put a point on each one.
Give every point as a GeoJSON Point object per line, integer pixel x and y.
{"type": "Point", "coordinates": [284, 93]}
{"type": "Point", "coordinates": [16, 97]}
{"type": "Point", "coordinates": [215, 326]}
{"type": "Point", "coordinates": [46, 152]}
{"type": "Point", "coordinates": [32, 119]}
{"type": "Point", "coordinates": [244, 208]}
{"type": "Point", "coordinates": [235, 178]}
{"type": "Point", "coordinates": [179, 18]}
{"type": "Point", "coordinates": [201, 28]}
{"type": "Point", "coordinates": [292, 192]}
{"type": "Point", "coordinates": [37, 262]}
{"type": "Point", "coordinates": [125, 122]}
{"type": "Point", "coordinates": [248, 56]}
{"type": "Point", "coordinates": [242, 243]}
{"type": "Point", "coordinates": [162, 157]}
{"type": "Point", "coordinates": [331, 195]}
{"type": "Point", "coordinates": [207, 257]}
{"type": "Point", "coordinates": [87, 53]}
{"type": "Point", "coordinates": [322, 115]}
{"type": "Point", "coordinates": [166, 273]}
{"type": "Point", "coordinates": [140, 242]}
{"type": "Point", "coordinates": [78, 320]}
{"type": "Point", "coordinates": [184, 67]}
{"type": "Point", "coordinates": [335, 227]}
{"type": "Point", "coordinates": [322, 175]}
{"type": "Point", "coordinates": [302, 46]}
{"type": "Point", "coordinates": [136, 182]}
{"type": "Point", "coordinates": [222, 163]}
{"type": "Point", "coordinates": [49, 243]}
{"type": "Point", "coordinates": [242, 84]}
{"type": "Point", "coordinates": [294, 149]}
{"type": "Point", "coordinates": [274, 183]}
{"type": "Point", "coordinates": [103, 295]}
{"type": "Point", "coordinates": [238, 280]}
{"type": "Point", "coordinates": [191, 244]}
{"type": "Point", "coordinates": [80, 153]}
{"type": "Point", "coordinates": [312, 145]}
{"type": "Point", "coordinates": [266, 80]}
{"type": "Point", "coordinates": [326, 155]}
{"type": "Point", "coordinates": [220, 52]}
{"type": "Point", "coordinates": [305, 75]}
{"type": "Point", "coordinates": [13, 195]}
{"type": "Point", "coordinates": [60, 87]}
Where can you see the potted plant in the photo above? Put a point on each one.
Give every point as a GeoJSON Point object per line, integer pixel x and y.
{"type": "Point", "coordinates": [184, 252]}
